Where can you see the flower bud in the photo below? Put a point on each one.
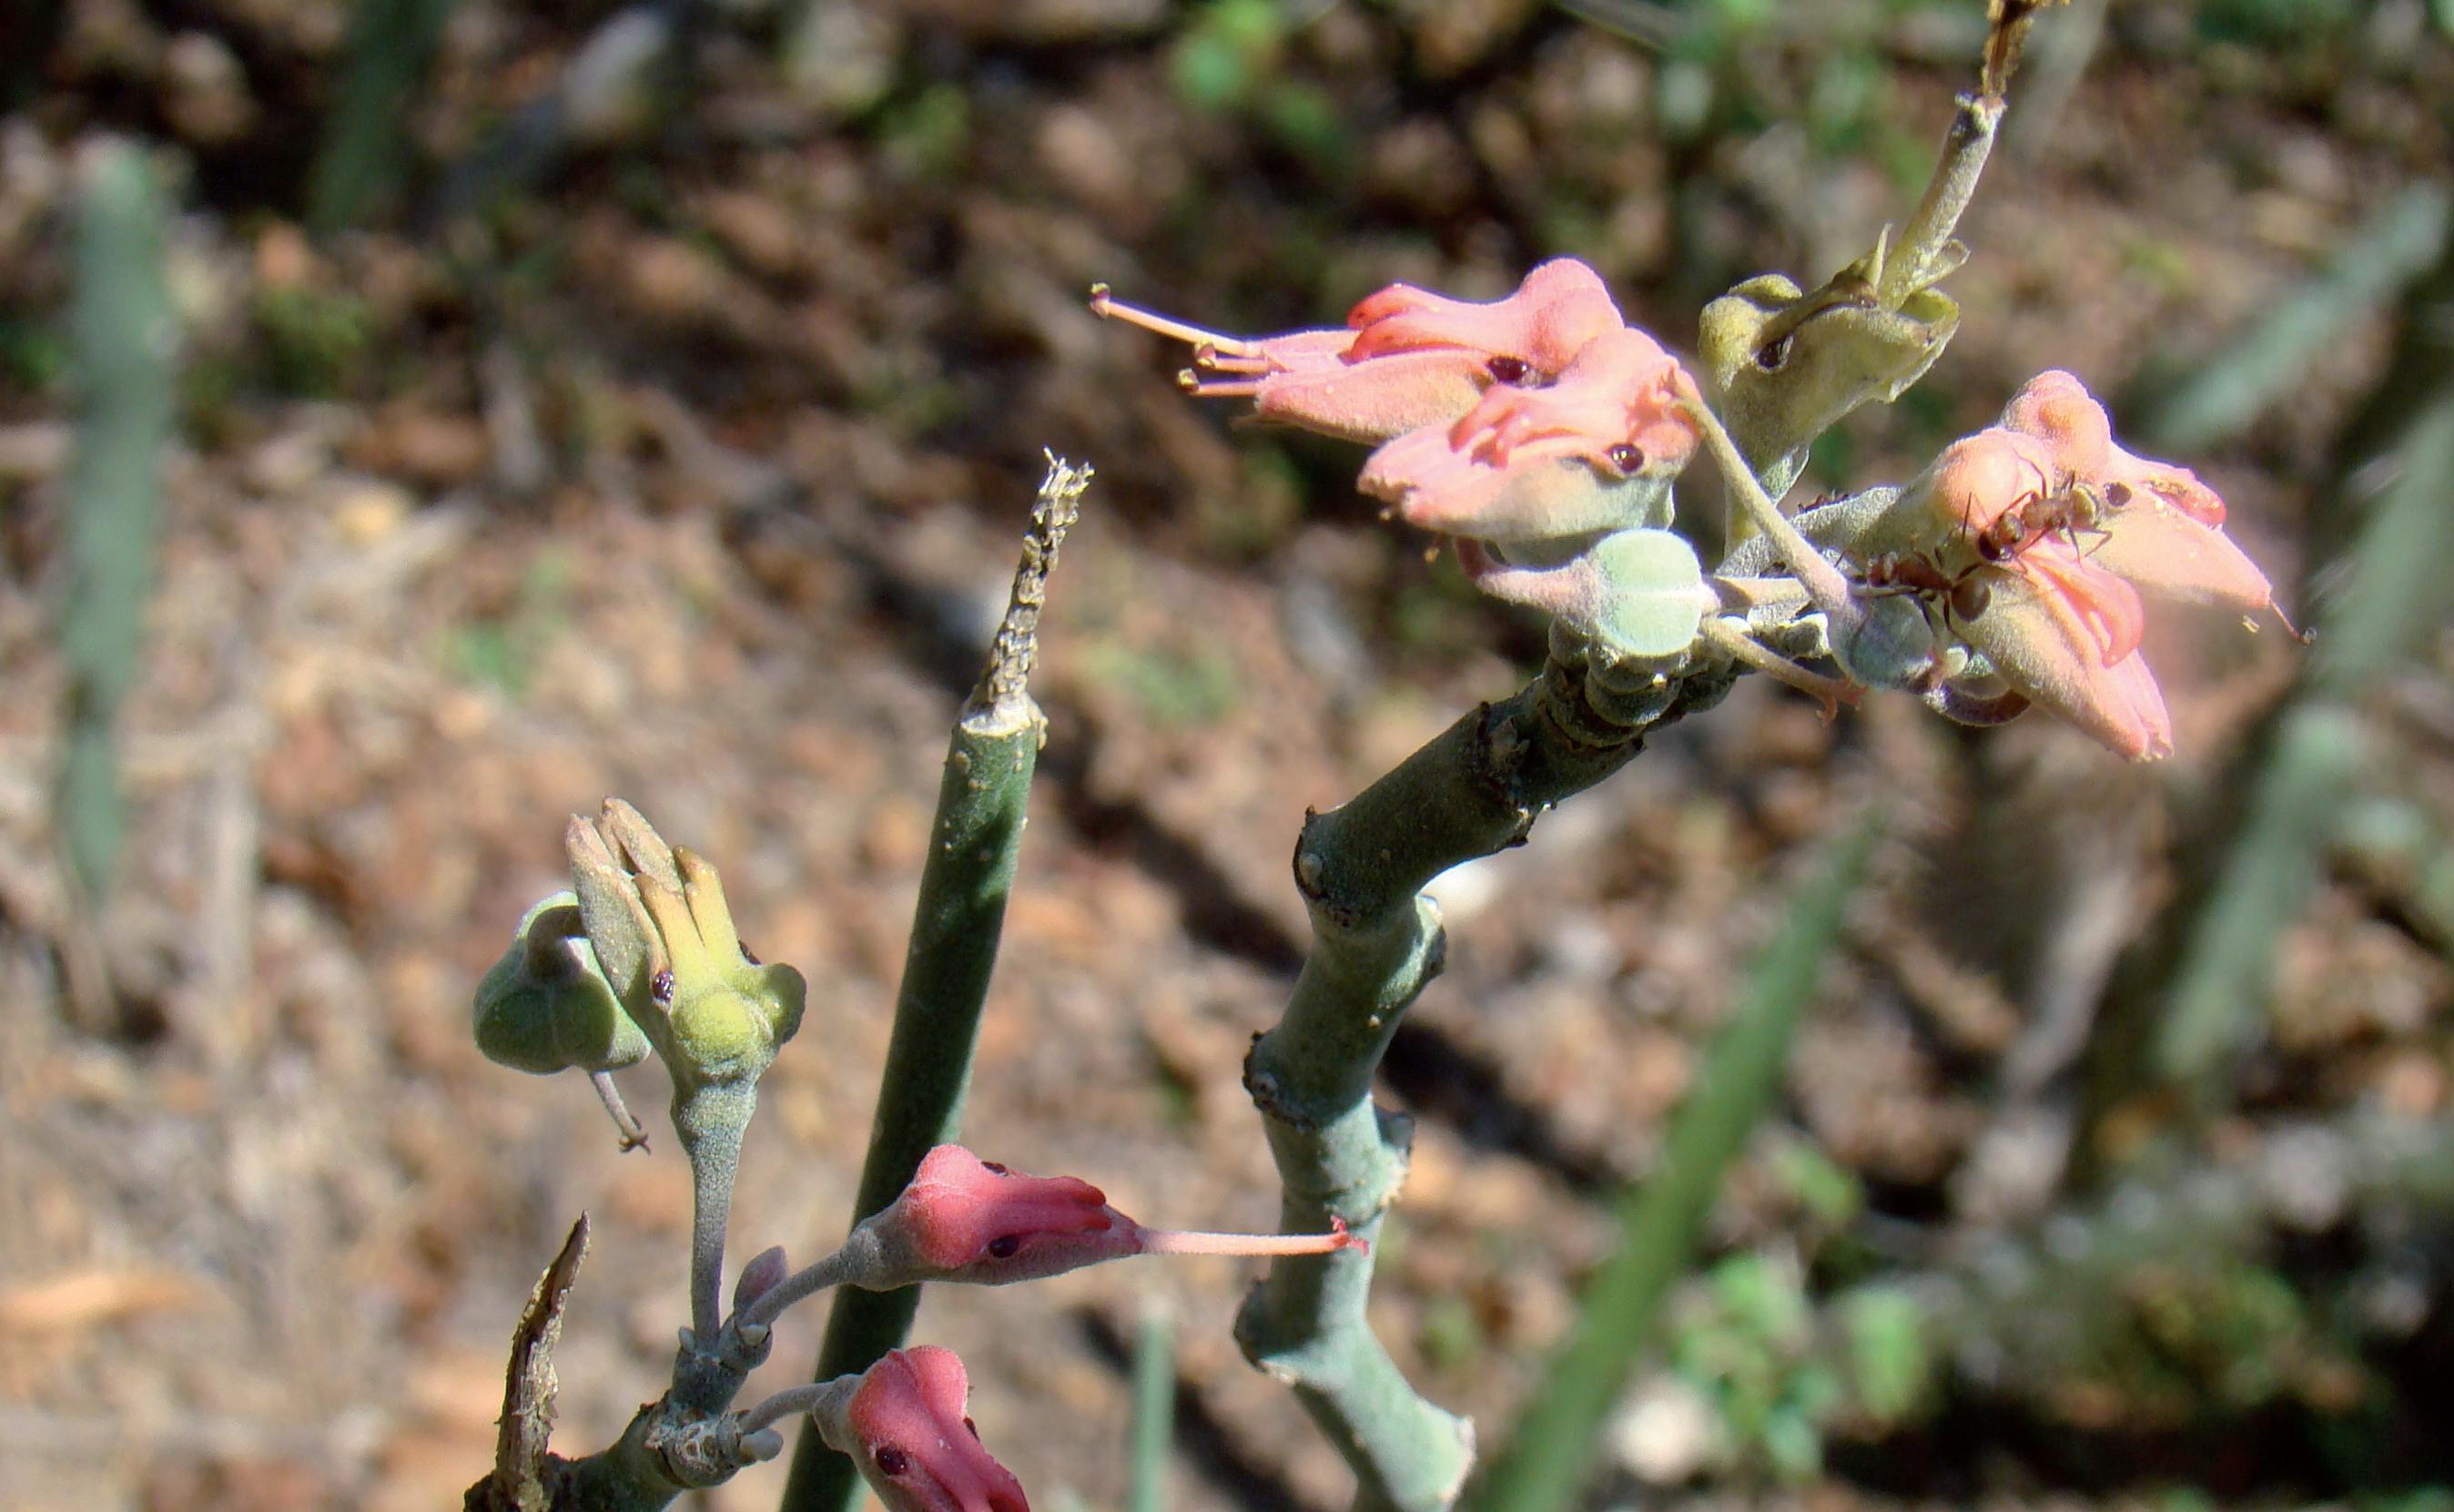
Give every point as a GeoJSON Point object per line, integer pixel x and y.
{"type": "Point", "coordinates": [903, 1423]}
{"type": "Point", "coordinates": [759, 1276]}
{"type": "Point", "coordinates": [546, 1006]}
{"type": "Point", "coordinates": [661, 928]}
{"type": "Point", "coordinates": [963, 1218]}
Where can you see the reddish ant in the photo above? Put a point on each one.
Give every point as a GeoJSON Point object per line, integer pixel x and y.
{"type": "Point", "coordinates": [1963, 595]}
{"type": "Point", "coordinates": [2080, 507]}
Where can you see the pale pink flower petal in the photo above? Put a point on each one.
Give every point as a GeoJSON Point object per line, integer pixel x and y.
{"type": "Point", "coordinates": [2108, 607]}
{"type": "Point", "coordinates": [2165, 551]}
{"type": "Point", "coordinates": [1979, 477]}
{"type": "Point", "coordinates": [2041, 648]}
{"type": "Point", "coordinates": [1558, 308]}
{"type": "Point", "coordinates": [2057, 409]}
{"type": "Point", "coordinates": [1551, 487]}
{"type": "Point", "coordinates": [1619, 394]}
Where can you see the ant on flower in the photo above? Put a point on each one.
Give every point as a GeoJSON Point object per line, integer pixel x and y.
{"type": "Point", "coordinates": [1963, 595]}
{"type": "Point", "coordinates": [2080, 507]}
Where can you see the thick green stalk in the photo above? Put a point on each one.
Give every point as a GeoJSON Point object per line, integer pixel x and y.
{"type": "Point", "coordinates": [1663, 1217]}
{"type": "Point", "coordinates": [955, 931]}
{"type": "Point", "coordinates": [126, 354]}
{"type": "Point", "coordinates": [359, 161]}
{"type": "Point", "coordinates": [1474, 790]}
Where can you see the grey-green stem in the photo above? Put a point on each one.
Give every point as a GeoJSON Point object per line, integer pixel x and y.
{"type": "Point", "coordinates": [711, 1122]}
{"type": "Point", "coordinates": [1474, 790]}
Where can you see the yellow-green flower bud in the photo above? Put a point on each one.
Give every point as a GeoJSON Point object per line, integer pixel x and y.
{"type": "Point", "coordinates": [660, 926]}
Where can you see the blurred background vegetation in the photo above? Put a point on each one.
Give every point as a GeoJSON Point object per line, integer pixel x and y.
{"type": "Point", "coordinates": [421, 417]}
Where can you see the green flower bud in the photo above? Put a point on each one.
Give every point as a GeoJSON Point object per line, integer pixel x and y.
{"type": "Point", "coordinates": [546, 1006]}
{"type": "Point", "coordinates": [1789, 364]}
{"type": "Point", "coordinates": [658, 920]}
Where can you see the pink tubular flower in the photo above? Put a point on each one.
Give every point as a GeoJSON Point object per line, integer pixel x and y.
{"type": "Point", "coordinates": [963, 1218]}
{"type": "Point", "coordinates": [2063, 531]}
{"type": "Point", "coordinates": [1408, 358]}
{"type": "Point", "coordinates": [1591, 452]}
{"type": "Point", "coordinates": [904, 1425]}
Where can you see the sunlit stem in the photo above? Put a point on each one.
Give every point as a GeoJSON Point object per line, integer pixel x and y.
{"type": "Point", "coordinates": [1177, 1242]}
{"type": "Point", "coordinates": [633, 1136]}
{"type": "Point", "coordinates": [1924, 253]}
{"type": "Point", "coordinates": [710, 1206]}
{"type": "Point", "coordinates": [792, 1401]}
{"type": "Point", "coordinates": [1822, 581]}
{"type": "Point", "coordinates": [1109, 308]}
{"type": "Point", "coordinates": [713, 1145]}
{"type": "Point", "coordinates": [844, 1266]}
{"type": "Point", "coordinates": [1741, 647]}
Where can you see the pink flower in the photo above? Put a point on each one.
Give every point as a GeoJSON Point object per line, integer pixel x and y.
{"type": "Point", "coordinates": [2057, 409]}
{"type": "Point", "coordinates": [963, 1218]}
{"type": "Point", "coordinates": [1590, 453]}
{"type": "Point", "coordinates": [2061, 532]}
{"type": "Point", "coordinates": [1408, 358]}
{"type": "Point", "coordinates": [904, 1425]}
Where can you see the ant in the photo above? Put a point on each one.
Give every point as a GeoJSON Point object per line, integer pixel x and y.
{"type": "Point", "coordinates": [1963, 595]}
{"type": "Point", "coordinates": [2080, 507]}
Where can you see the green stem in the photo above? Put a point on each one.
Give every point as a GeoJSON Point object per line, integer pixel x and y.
{"type": "Point", "coordinates": [955, 931]}
{"type": "Point", "coordinates": [359, 161]}
{"type": "Point", "coordinates": [1926, 250]}
{"type": "Point", "coordinates": [1153, 1412]}
{"type": "Point", "coordinates": [711, 1123]}
{"type": "Point", "coordinates": [1663, 1217]}
{"type": "Point", "coordinates": [125, 345]}
{"type": "Point", "coordinates": [1474, 790]}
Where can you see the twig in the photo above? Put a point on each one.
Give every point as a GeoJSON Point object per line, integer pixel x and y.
{"type": "Point", "coordinates": [956, 927]}
{"type": "Point", "coordinates": [518, 1483]}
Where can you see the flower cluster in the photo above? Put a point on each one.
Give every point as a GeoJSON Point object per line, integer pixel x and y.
{"type": "Point", "coordinates": [1542, 432]}
{"type": "Point", "coordinates": [1531, 429]}
{"type": "Point", "coordinates": [641, 956]}
{"type": "Point", "coordinates": [2030, 544]}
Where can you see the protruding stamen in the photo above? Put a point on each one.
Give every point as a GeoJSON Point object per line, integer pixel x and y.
{"type": "Point", "coordinates": [1177, 1242]}
{"type": "Point", "coordinates": [1214, 360]}
{"type": "Point", "coordinates": [1201, 388]}
{"type": "Point", "coordinates": [1109, 308]}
